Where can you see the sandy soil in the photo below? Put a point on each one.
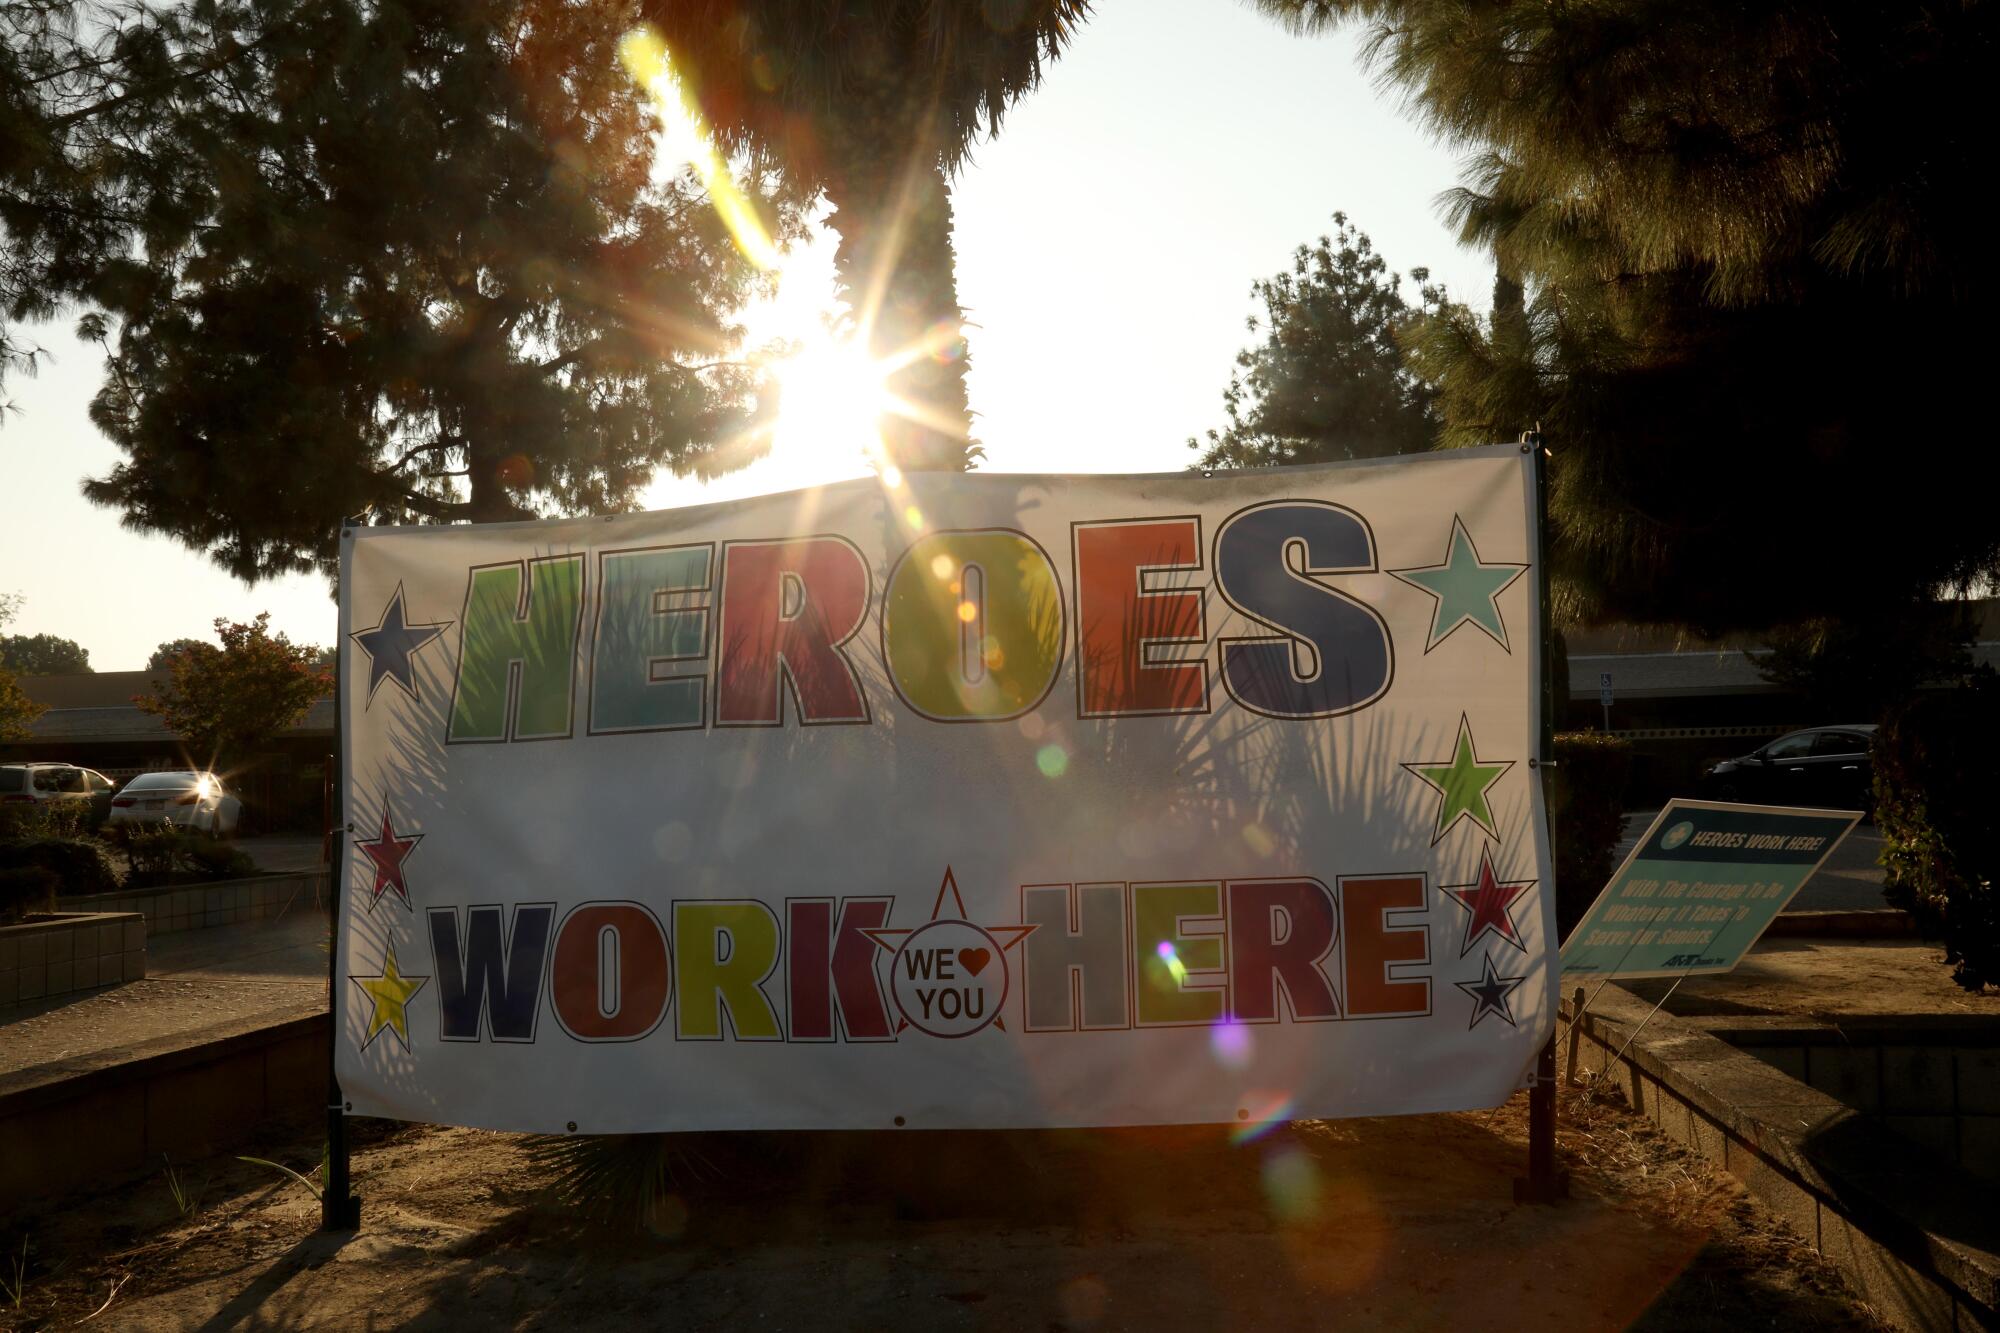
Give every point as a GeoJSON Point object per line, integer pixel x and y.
{"type": "Point", "coordinates": [1404, 1223]}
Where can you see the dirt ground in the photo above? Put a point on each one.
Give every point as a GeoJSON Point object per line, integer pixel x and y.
{"type": "Point", "coordinates": [1403, 1223]}
{"type": "Point", "coordinates": [1827, 979]}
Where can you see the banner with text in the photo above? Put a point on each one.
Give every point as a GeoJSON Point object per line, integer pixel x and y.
{"type": "Point", "coordinates": [951, 801]}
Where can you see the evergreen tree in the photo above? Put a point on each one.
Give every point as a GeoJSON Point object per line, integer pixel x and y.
{"type": "Point", "coordinates": [876, 103]}
{"type": "Point", "coordinates": [43, 655]}
{"type": "Point", "coordinates": [1743, 288]}
{"type": "Point", "coordinates": [1329, 381]}
{"type": "Point", "coordinates": [392, 257]}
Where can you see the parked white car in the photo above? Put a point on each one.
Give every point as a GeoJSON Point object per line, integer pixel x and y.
{"type": "Point", "coordinates": [192, 800]}
{"type": "Point", "coordinates": [37, 783]}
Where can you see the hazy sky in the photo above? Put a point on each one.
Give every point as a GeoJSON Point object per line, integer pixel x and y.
{"type": "Point", "coordinates": [1106, 241]}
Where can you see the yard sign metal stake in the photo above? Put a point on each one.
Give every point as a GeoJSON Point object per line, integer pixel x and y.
{"type": "Point", "coordinates": [340, 1207]}
{"type": "Point", "coordinates": [1543, 1183]}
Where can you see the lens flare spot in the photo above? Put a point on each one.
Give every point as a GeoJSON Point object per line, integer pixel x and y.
{"type": "Point", "coordinates": [1032, 727]}
{"type": "Point", "coordinates": [913, 516]}
{"type": "Point", "coordinates": [1261, 1113]}
{"type": "Point", "coordinates": [968, 611]}
{"type": "Point", "coordinates": [1175, 967]}
{"type": "Point", "coordinates": [1291, 1183]}
{"type": "Point", "coordinates": [1260, 841]}
{"type": "Point", "coordinates": [515, 470]}
{"type": "Point", "coordinates": [941, 567]}
{"type": "Point", "coordinates": [892, 477]}
{"type": "Point", "coordinates": [1083, 1301]}
{"type": "Point", "coordinates": [1230, 1042]}
{"type": "Point", "coordinates": [1053, 760]}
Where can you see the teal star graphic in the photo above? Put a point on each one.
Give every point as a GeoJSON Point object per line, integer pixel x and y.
{"type": "Point", "coordinates": [1462, 783]}
{"type": "Point", "coordinates": [1467, 589]}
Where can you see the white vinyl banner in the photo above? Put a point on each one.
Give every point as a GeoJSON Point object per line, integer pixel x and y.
{"type": "Point", "coordinates": [968, 801]}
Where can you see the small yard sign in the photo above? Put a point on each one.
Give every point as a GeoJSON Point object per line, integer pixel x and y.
{"type": "Point", "coordinates": [1700, 888]}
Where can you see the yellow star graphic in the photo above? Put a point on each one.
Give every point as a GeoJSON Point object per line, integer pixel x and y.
{"type": "Point", "coordinates": [389, 996]}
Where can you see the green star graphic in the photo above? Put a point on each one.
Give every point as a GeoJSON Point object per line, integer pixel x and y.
{"type": "Point", "coordinates": [1462, 783]}
{"type": "Point", "coordinates": [1466, 588]}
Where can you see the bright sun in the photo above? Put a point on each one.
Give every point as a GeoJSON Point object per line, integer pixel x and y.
{"type": "Point", "coordinates": [831, 401]}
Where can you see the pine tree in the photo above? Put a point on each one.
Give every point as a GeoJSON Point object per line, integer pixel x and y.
{"type": "Point", "coordinates": [1330, 380]}
{"type": "Point", "coordinates": [1743, 290]}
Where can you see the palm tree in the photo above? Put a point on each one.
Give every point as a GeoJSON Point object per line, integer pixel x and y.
{"type": "Point", "coordinates": [875, 103]}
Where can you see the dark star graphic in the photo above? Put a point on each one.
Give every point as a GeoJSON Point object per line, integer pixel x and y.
{"type": "Point", "coordinates": [1489, 905]}
{"type": "Point", "coordinates": [391, 645]}
{"type": "Point", "coordinates": [388, 852]}
{"type": "Point", "coordinates": [1489, 993]}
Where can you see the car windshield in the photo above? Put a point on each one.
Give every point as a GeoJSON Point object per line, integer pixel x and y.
{"type": "Point", "coordinates": [163, 781]}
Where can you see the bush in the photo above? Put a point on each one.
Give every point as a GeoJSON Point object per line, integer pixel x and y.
{"type": "Point", "coordinates": [52, 819]}
{"type": "Point", "coordinates": [1935, 788]}
{"type": "Point", "coordinates": [158, 852]}
{"type": "Point", "coordinates": [26, 889]}
{"type": "Point", "coordinates": [1586, 796]}
{"type": "Point", "coordinates": [79, 864]}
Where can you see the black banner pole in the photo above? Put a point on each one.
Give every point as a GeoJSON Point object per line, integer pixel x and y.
{"type": "Point", "coordinates": [1543, 1183]}
{"type": "Point", "coordinates": [340, 1208]}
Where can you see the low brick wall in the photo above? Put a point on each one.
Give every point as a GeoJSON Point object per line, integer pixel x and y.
{"type": "Point", "coordinates": [75, 950]}
{"type": "Point", "coordinates": [1934, 1079]}
{"type": "Point", "coordinates": [1918, 1239]}
{"type": "Point", "coordinates": [72, 1130]}
{"type": "Point", "coordinates": [224, 902]}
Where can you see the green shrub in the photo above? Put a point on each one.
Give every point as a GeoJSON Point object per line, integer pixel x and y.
{"type": "Point", "coordinates": [26, 889]}
{"type": "Point", "coordinates": [1935, 788]}
{"type": "Point", "coordinates": [52, 819]}
{"type": "Point", "coordinates": [158, 852]}
{"type": "Point", "coordinates": [1586, 796]}
{"type": "Point", "coordinates": [79, 864]}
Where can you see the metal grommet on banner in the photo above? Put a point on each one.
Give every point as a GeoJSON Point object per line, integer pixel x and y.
{"type": "Point", "coordinates": [899, 1122]}
{"type": "Point", "coordinates": [572, 1126]}
{"type": "Point", "coordinates": [1242, 1113]}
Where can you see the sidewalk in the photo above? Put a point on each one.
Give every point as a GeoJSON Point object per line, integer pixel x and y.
{"type": "Point", "coordinates": [197, 981]}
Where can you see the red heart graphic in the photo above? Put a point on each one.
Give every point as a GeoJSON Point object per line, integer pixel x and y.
{"type": "Point", "coordinates": [974, 960]}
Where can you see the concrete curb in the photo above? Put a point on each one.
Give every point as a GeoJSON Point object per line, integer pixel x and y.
{"type": "Point", "coordinates": [1916, 1239]}
{"type": "Point", "coordinates": [88, 1123]}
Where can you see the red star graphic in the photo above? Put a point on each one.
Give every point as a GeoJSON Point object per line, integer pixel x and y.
{"type": "Point", "coordinates": [889, 939]}
{"type": "Point", "coordinates": [1490, 905]}
{"type": "Point", "coordinates": [388, 852]}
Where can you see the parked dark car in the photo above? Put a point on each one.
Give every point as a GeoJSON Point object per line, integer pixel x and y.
{"type": "Point", "coordinates": [1820, 766]}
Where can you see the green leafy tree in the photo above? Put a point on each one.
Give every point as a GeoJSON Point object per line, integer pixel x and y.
{"type": "Point", "coordinates": [1329, 381]}
{"type": "Point", "coordinates": [163, 656]}
{"type": "Point", "coordinates": [877, 104]}
{"type": "Point", "coordinates": [43, 655]}
{"type": "Point", "coordinates": [225, 699]}
{"type": "Point", "coordinates": [17, 711]}
{"type": "Point", "coordinates": [1743, 288]}
{"type": "Point", "coordinates": [393, 258]}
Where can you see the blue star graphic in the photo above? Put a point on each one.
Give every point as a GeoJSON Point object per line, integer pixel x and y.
{"type": "Point", "coordinates": [1466, 589]}
{"type": "Point", "coordinates": [1489, 993]}
{"type": "Point", "coordinates": [391, 645]}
